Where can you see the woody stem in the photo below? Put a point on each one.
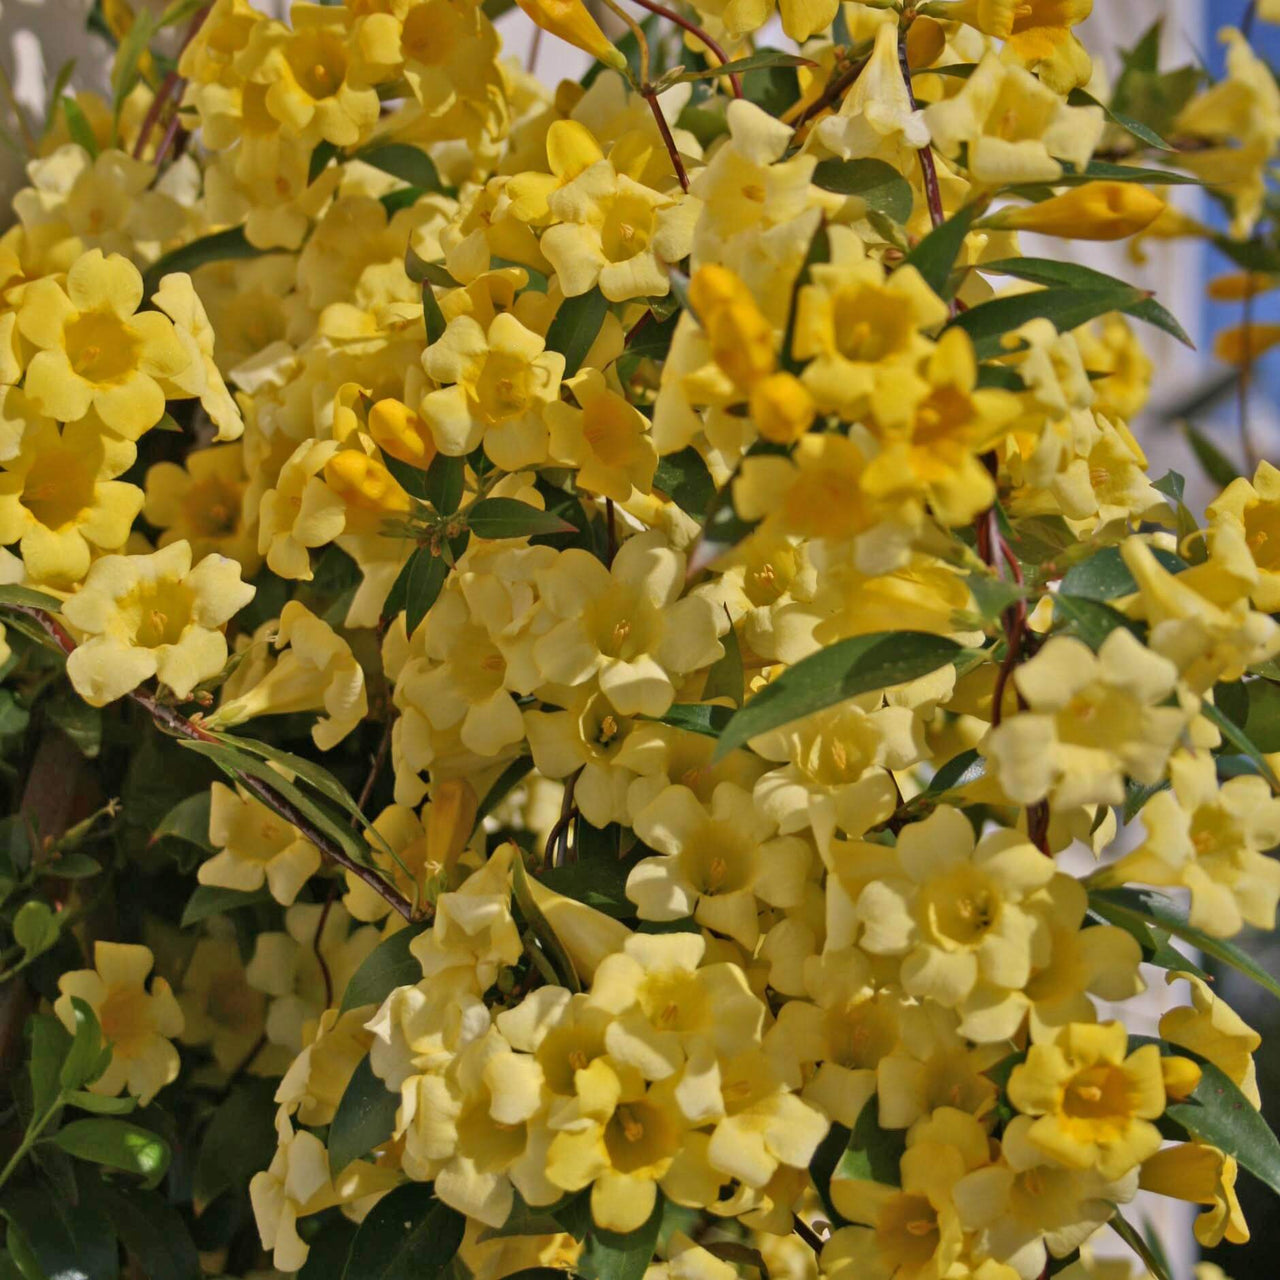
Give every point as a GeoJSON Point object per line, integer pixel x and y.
{"type": "Point", "coordinates": [175, 723]}
{"type": "Point", "coordinates": [928, 169]}
{"type": "Point", "coordinates": [665, 130]}
{"type": "Point", "coordinates": [698, 33]}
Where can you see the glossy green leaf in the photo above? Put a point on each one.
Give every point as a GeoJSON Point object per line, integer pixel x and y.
{"type": "Point", "coordinates": [399, 159]}
{"type": "Point", "coordinates": [1155, 909]}
{"type": "Point", "coordinates": [152, 1230]}
{"type": "Point", "coordinates": [126, 67]}
{"type": "Point", "coordinates": [511, 518]}
{"type": "Point", "coordinates": [408, 1235]}
{"type": "Point", "coordinates": [85, 1060]}
{"type": "Point", "coordinates": [1125, 1230]}
{"type": "Point", "coordinates": [1105, 576]}
{"type": "Point", "coordinates": [365, 1118]}
{"type": "Point", "coordinates": [66, 1241]}
{"type": "Point", "coordinates": [1240, 739]}
{"type": "Point", "coordinates": [1087, 620]}
{"type": "Point", "coordinates": [879, 185]}
{"type": "Point", "coordinates": [608, 1255]}
{"type": "Point", "coordinates": [78, 720]}
{"type": "Point", "coordinates": [726, 678]}
{"type": "Point", "coordinates": [78, 125]}
{"type": "Point", "coordinates": [116, 1144]}
{"type": "Point", "coordinates": [1065, 307]}
{"type": "Point", "coordinates": [417, 587]}
{"type": "Point", "coordinates": [35, 927]}
{"type": "Point", "coordinates": [100, 1105]}
{"type": "Point", "coordinates": [872, 1154]}
{"type": "Point", "coordinates": [547, 938]}
{"type": "Point", "coordinates": [1050, 272]}
{"type": "Point", "coordinates": [840, 671]}
{"type": "Point", "coordinates": [389, 965]}
{"type": "Point", "coordinates": [763, 60]}
{"type": "Point", "coordinates": [1217, 466]}
{"type": "Point", "coordinates": [1145, 134]}
{"type": "Point", "coordinates": [187, 821]}
{"type": "Point", "coordinates": [50, 1044]}
{"type": "Point", "coordinates": [29, 599]}
{"type": "Point", "coordinates": [684, 478]}
{"type": "Point", "coordinates": [576, 326]}
{"type": "Point", "coordinates": [210, 900]}
{"type": "Point", "coordinates": [238, 1141]}
{"type": "Point", "coordinates": [935, 255]}
{"type": "Point", "coordinates": [446, 477]}
{"type": "Point", "coordinates": [432, 316]}
{"type": "Point", "coordinates": [705, 718]}
{"type": "Point", "coordinates": [221, 246]}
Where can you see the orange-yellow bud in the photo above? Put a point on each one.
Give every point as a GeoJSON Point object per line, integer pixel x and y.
{"type": "Point", "coordinates": [570, 20]}
{"type": "Point", "coordinates": [364, 482]}
{"type": "Point", "coordinates": [397, 430]}
{"type": "Point", "coordinates": [782, 408]}
{"type": "Point", "coordinates": [741, 338]}
{"type": "Point", "coordinates": [1181, 1076]}
{"type": "Point", "coordinates": [1095, 211]}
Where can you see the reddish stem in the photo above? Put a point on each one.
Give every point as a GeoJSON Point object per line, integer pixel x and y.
{"type": "Point", "coordinates": [665, 130]}
{"type": "Point", "coordinates": [928, 170]}
{"type": "Point", "coordinates": [698, 33]}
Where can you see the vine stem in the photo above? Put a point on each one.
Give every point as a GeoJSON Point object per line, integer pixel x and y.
{"type": "Point", "coordinates": [835, 90]}
{"type": "Point", "coordinates": [665, 130]}
{"type": "Point", "coordinates": [172, 84]}
{"type": "Point", "coordinates": [177, 725]}
{"type": "Point", "coordinates": [928, 169]}
{"type": "Point", "coordinates": [698, 33]}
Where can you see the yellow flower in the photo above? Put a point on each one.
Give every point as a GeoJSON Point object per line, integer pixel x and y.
{"type": "Point", "coordinates": [570, 21]}
{"type": "Point", "coordinates": [1016, 128]}
{"type": "Point", "coordinates": [1094, 211]}
{"type": "Point", "coordinates": [933, 452]}
{"type": "Point", "coordinates": [202, 501]}
{"type": "Point", "coordinates": [152, 615]}
{"type": "Point", "coordinates": [615, 232]}
{"type": "Point", "coordinates": [570, 148]}
{"type": "Point", "coordinates": [1090, 721]}
{"type": "Point", "coordinates": [94, 352]}
{"type": "Point", "coordinates": [1094, 1102]}
{"type": "Point", "coordinates": [1037, 33]}
{"type": "Point", "coordinates": [1210, 839]}
{"type": "Point", "coordinates": [1252, 511]}
{"type": "Point", "coordinates": [300, 512]}
{"type": "Point", "coordinates": [137, 1023]}
{"type": "Point", "coordinates": [782, 408]}
{"type": "Point", "coordinates": [741, 338]}
{"type": "Point", "coordinates": [1202, 1174]}
{"type": "Point", "coordinates": [400, 432]}
{"type": "Point", "coordinates": [201, 377]}
{"type": "Point", "coordinates": [219, 1008]}
{"type": "Point", "coordinates": [296, 1183]}
{"type": "Point", "coordinates": [59, 498]}
{"type": "Point", "coordinates": [1210, 1027]}
{"type": "Point", "coordinates": [501, 381]}
{"type": "Point", "coordinates": [606, 439]}
{"type": "Point", "coordinates": [318, 673]}
{"type": "Point", "coordinates": [718, 863]}
{"type": "Point", "coordinates": [254, 844]}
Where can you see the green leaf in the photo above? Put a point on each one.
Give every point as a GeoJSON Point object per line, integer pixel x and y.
{"type": "Point", "coordinates": [958, 772]}
{"type": "Point", "coordinates": [35, 927]}
{"type": "Point", "coordinates": [78, 125]}
{"type": "Point", "coordinates": [597, 881]}
{"type": "Point", "coordinates": [413, 480]}
{"type": "Point", "coordinates": [1262, 714]}
{"type": "Point", "coordinates": [389, 965]}
{"type": "Point", "coordinates": [78, 720]}
{"type": "Point", "coordinates": [1105, 576]}
{"type": "Point", "coordinates": [763, 60]}
{"type": "Point", "coordinates": [417, 587]}
{"type": "Point", "coordinates": [365, 1118]}
{"type": "Point", "coordinates": [50, 1044]}
{"type": "Point", "coordinates": [840, 671]}
{"type": "Point", "coordinates": [1134, 1240]}
{"type": "Point", "coordinates": [188, 821]}
{"type": "Point", "coordinates": [221, 246]}
{"type": "Point", "coordinates": [84, 1061]}
{"type": "Point", "coordinates": [541, 926]}
{"type": "Point", "coordinates": [432, 316]}
{"type": "Point", "coordinates": [1151, 908]}
{"type": "Point", "coordinates": [698, 717]}
{"type": "Point", "coordinates": [1083, 98]}
{"type": "Point", "coordinates": [872, 1153]}
{"type": "Point", "coordinates": [1217, 466]}
{"type": "Point", "coordinates": [1104, 171]}
{"type": "Point", "coordinates": [14, 717]}
{"type": "Point", "coordinates": [126, 67]}
{"type": "Point", "coordinates": [1219, 1114]}
{"type": "Point", "coordinates": [210, 900]}
{"type": "Point", "coordinates": [511, 518]}
{"type": "Point", "coordinates": [608, 1255]}
{"type": "Point", "coordinates": [1241, 741]}
{"type": "Point", "coordinates": [102, 1106]}
{"type": "Point", "coordinates": [1048, 271]}
{"type": "Point", "coordinates": [116, 1144]}
{"type": "Point", "coordinates": [445, 479]}
{"type": "Point", "coordinates": [29, 599]}
{"type": "Point", "coordinates": [1067, 308]}
{"type": "Point", "coordinates": [238, 1141]}
{"type": "Point", "coordinates": [879, 185]}
{"type": "Point", "coordinates": [936, 254]}
{"type": "Point", "coordinates": [403, 161]}
{"type": "Point", "coordinates": [408, 1235]}
{"type": "Point", "coordinates": [65, 1241]}
{"type": "Point", "coordinates": [684, 478]}
{"type": "Point", "coordinates": [1087, 620]}
{"type": "Point", "coordinates": [825, 1159]}
{"type": "Point", "coordinates": [576, 326]}
{"type": "Point", "coordinates": [152, 1231]}
{"type": "Point", "coordinates": [1173, 486]}
{"type": "Point", "coordinates": [726, 678]}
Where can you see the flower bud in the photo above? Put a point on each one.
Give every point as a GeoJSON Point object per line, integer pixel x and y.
{"type": "Point", "coordinates": [570, 20]}
{"type": "Point", "coordinates": [782, 408]}
{"type": "Point", "coordinates": [364, 482]}
{"type": "Point", "coordinates": [399, 431]}
{"type": "Point", "coordinates": [1095, 211]}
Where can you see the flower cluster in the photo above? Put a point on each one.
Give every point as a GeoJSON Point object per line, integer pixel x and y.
{"type": "Point", "coordinates": [659, 618]}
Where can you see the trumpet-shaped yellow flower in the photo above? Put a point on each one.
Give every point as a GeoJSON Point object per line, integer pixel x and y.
{"type": "Point", "coordinates": [570, 21]}
{"type": "Point", "coordinates": [59, 496]}
{"type": "Point", "coordinates": [152, 615]}
{"type": "Point", "coordinates": [1093, 1100]}
{"type": "Point", "coordinates": [1205, 1175]}
{"type": "Point", "coordinates": [1210, 1027]}
{"type": "Point", "coordinates": [95, 350]}
{"type": "Point", "coordinates": [1252, 511]}
{"type": "Point", "coordinates": [255, 845]}
{"type": "Point", "coordinates": [1091, 719]}
{"type": "Point", "coordinates": [318, 672]}
{"type": "Point", "coordinates": [1094, 211]}
{"type": "Point", "coordinates": [138, 1023]}
{"type": "Point", "coordinates": [1015, 128]}
{"type": "Point", "coordinates": [300, 511]}
{"type": "Point", "coordinates": [606, 439]}
{"type": "Point", "coordinates": [220, 1009]}
{"type": "Point", "coordinates": [1037, 33]}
